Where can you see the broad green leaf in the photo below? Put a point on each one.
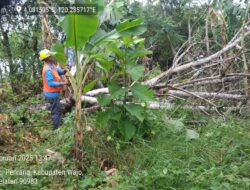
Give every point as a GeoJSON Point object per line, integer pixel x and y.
{"type": "Point", "coordinates": [142, 92]}
{"type": "Point", "coordinates": [102, 119]}
{"type": "Point", "coordinates": [139, 53]}
{"type": "Point", "coordinates": [118, 73]}
{"type": "Point", "coordinates": [117, 52]}
{"type": "Point", "coordinates": [89, 86]}
{"type": "Point", "coordinates": [98, 56]}
{"type": "Point", "coordinates": [79, 28]}
{"type": "Point", "coordinates": [127, 41]}
{"type": "Point", "coordinates": [99, 34]}
{"type": "Point", "coordinates": [136, 71]}
{"type": "Point", "coordinates": [127, 129]}
{"type": "Point", "coordinates": [102, 62]}
{"type": "Point", "coordinates": [115, 90]}
{"type": "Point", "coordinates": [136, 110]}
{"type": "Point", "coordinates": [103, 100]}
{"type": "Point", "coordinates": [139, 41]}
{"type": "Point", "coordinates": [105, 65]}
{"type": "Point", "coordinates": [58, 52]}
{"type": "Point", "coordinates": [128, 28]}
{"type": "Point", "coordinates": [115, 113]}
{"type": "Point", "coordinates": [115, 15]}
{"type": "Point", "coordinates": [101, 37]}
{"type": "Point", "coordinates": [191, 134]}
{"type": "Point", "coordinates": [88, 182]}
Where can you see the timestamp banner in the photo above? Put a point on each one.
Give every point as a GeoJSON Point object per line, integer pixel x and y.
{"type": "Point", "coordinates": [31, 176]}
{"type": "Point", "coordinates": [61, 9]}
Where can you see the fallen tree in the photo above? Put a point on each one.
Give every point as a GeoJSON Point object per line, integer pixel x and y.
{"type": "Point", "coordinates": [175, 69]}
{"type": "Point", "coordinates": [206, 78]}
{"type": "Point", "coordinates": [191, 79]}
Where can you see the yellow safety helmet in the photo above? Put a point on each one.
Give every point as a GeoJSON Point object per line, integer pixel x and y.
{"type": "Point", "coordinates": [44, 54]}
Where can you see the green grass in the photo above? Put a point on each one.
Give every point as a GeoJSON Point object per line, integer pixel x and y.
{"type": "Point", "coordinates": [218, 160]}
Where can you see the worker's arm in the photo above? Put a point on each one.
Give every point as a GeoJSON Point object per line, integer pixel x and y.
{"type": "Point", "coordinates": [60, 71]}
{"type": "Point", "coordinates": [50, 79]}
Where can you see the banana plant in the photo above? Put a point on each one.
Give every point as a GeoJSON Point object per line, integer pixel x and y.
{"type": "Point", "coordinates": [83, 34]}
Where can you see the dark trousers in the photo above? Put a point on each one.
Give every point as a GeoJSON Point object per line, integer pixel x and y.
{"type": "Point", "coordinates": [55, 109]}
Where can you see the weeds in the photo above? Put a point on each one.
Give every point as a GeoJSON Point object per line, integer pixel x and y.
{"type": "Point", "coordinates": [216, 159]}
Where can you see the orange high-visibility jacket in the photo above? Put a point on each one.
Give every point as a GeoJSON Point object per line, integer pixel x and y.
{"type": "Point", "coordinates": [46, 87]}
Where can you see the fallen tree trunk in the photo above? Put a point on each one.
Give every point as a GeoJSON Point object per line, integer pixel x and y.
{"type": "Point", "coordinates": [208, 95]}
{"type": "Point", "coordinates": [202, 94]}
{"type": "Point", "coordinates": [208, 80]}
{"type": "Point", "coordinates": [88, 99]}
{"type": "Point", "coordinates": [172, 70]}
{"type": "Point", "coordinates": [97, 91]}
{"type": "Point", "coordinates": [67, 103]}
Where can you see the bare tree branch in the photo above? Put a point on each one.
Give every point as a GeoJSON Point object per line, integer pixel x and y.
{"type": "Point", "coordinates": [172, 70]}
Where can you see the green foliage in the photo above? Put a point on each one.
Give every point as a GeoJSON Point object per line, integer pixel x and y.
{"type": "Point", "coordinates": [170, 161]}
{"type": "Point", "coordinates": [17, 117]}
{"type": "Point", "coordinates": [194, 152]}
{"type": "Point", "coordinates": [218, 159]}
{"type": "Point", "coordinates": [79, 28]}
{"type": "Point", "coordinates": [116, 91]}
{"type": "Point", "coordinates": [22, 117]}
{"type": "Point", "coordinates": [136, 110]}
{"type": "Point", "coordinates": [124, 119]}
{"type": "Point", "coordinates": [89, 86]}
{"type": "Point", "coordinates": [142, 92]}
{"type": "Point", "coordinates": [114, 12]}
{"type": "Point", "coordinates": [58, 52]}
{"type": "Point", "coordinates": [166, 27]}
{"type": "Point", "coordinates": [127, 128]}
{"type": "Point", "coordinates": [135, 71]}
{"type": "Point", "coordinates": [103, 62]}
{"type": "Point", "coordinates": [92, 181]}
{"type": "Point", "coordinates": [128, 28]}
{"type": "Point", "coordinates": [174, 125]}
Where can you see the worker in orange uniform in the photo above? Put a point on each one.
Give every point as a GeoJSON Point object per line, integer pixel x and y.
{"type": "Point", "coordinates": [52, 84]}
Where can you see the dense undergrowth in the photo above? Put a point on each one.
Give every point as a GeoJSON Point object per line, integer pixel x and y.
{"type": "Point", "coordinates": [184, 150]}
